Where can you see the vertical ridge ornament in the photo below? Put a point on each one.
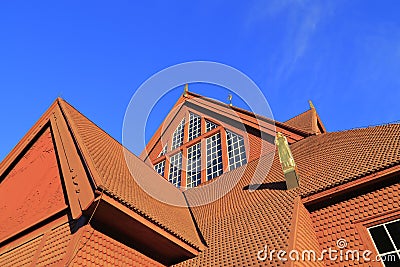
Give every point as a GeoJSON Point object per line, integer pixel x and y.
{"type": "Point", "coordinates": [311, 104]}
{"type": "Point", "coordinates": [287, 161]}
{"type": "Point", "coordinates": [186, 90]}
{"type": "Point", "coordinates": [314, 118]}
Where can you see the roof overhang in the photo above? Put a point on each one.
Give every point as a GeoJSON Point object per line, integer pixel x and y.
{"type": "Point", "coordinates": [132, 229]}
{"type": "Point", "coordinates": [351, 188]}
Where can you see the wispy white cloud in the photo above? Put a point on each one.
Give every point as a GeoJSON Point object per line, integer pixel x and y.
{"type": "Point", "coordinates": [298, 20]}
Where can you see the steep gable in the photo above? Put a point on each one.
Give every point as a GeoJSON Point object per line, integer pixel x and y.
{"type": "Point", "coordinates": [239, 136]}
{"type": "Point", "coordinates": [308, 121]}
{"type": "Point", "coordinates": [106, 159]}
{"type": "Point", "coordinates": [72, 169]}
{"type": "Point", "coordinates": [31, 191]}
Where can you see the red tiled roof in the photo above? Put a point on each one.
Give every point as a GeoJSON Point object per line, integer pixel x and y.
{"type": "Point", "coordinates": [97, 249]}
{"type": "Point", "coordinates": [21, 255]}
{"type": "Point", "coordinates": [307, 121]}
{"type": "Point", "coordinates": [62, 247]}
{"type": "Point", "coordinates": [55, 247]}
{"type": "Point", "coordinates": [238, 225]}
{"type": "Point", "coordinates": [302, 121]}
{"type": "Point", "coordinates": [340, 220]}
{"type": "Point", "coordinates": [303, 236]}
{"type": "Point", "coordinates": [44, 249]}
{"type": "Point", "coordinates": [108, 159]}
{"type": "Point", "coordinates": [331, 159]}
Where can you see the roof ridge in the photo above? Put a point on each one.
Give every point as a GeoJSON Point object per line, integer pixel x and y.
{"type": "Point", "coordinates": [397, 122]}
{"type": "Point", "coordinates": [110, 136]}
{"type": "Point", "coordinates": [258, 116]}
{"type": "Point", "coordinates": [191, 96]}
{"type": "Point", "coordinates": [342, 131]}
{"type": "Point", "coordinates": [66, 102]}
{"type": "Point", "coordinates": [364, 127]}
{"type": "Point", "coordinates": [123, 176]}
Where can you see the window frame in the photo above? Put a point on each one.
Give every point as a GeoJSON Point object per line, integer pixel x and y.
{"type": "Point", "coordinates": [363, 224]}
{"type": "Point", "coordinates": [396, 249]}
{"type": "Point", "coordinates": [193, 164]}
{"type": "Point", "coordinates": [218, 170]}
{"type": "Point", "coordinates": [164, 151]}
{"type": "Point", "coordinates": [242, 161]}
{"type": "Point", "coordinates": [162, 162]}
{"type": "Point", "coordinates": [181, 137]}
{"type": "Point", "coordinates": [207, 129]}
{"type": "Point", "coordinates": [178, 171]}
{"type": "Point", "coordinates": [194, 131]}
{"type": "Point", "coordinates": [205, 175]}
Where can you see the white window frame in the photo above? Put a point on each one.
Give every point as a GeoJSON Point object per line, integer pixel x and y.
{"type": "Point", "coordinates": [163, 151]}
{"type": "Point", "coordinates": [178, 135]}
{"type": "Point", "coordinates": [157, 168]}
{"type": "Point", "coordinates": [213, 125]}
{"type": "Point", "coordinates": [214, 153]}
{"type": "Point", "coordinates": [193, 167]}
{"type": "Point", "coordinates": [397, 249]}
{"type": "Point", "coordinates": [236, 155]}
{"type": "Point", "coordinates": [194, 129]}
{"type": "Point", "coordinates": [175, 169]}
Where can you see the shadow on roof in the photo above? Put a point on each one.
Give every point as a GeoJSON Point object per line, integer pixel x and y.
{"type": "Point", "coordinates": [272, 186]}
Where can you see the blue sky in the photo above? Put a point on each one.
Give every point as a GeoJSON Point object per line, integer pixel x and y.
{"type": "Point", "coordinates": [344, 55]}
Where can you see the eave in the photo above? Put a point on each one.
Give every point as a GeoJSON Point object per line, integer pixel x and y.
{"type": "Point", "coordinates": [127, 226]}
{"type": "Point", "coordinates": [348, 189]}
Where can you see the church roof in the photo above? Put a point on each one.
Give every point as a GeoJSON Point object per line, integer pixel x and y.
{"type": "Point", "coordinates": [104, 160]}
{"type": "Point", "coordinates": [230, 230]}
{"type": "Point", "coordinates": [308, 121]}
{"type": "Point", "coordinates": [331, 159]}
{"type": "Point", "coordinates": [108, 160]}
{"type": "Point", "coordinates": [243, 221]}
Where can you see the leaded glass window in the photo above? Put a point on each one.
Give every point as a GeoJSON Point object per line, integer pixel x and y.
{"type": "Point", "coordinates": [175, 169]}
{"type": "Point", "coordinates": [177, 136]}
{"type": "Point", "coordinates": [160, 167]}
{"type": "Point", "coordinates": [194, 126]}
{"type": "Point", "coordinates": [193, 174]}
{"type": "Point", "coordinates": [210, 125]}
{"type": "Point", "coordinates": [236, 150]}
{"type": "Point", "coordinates": [163, 151]}
{"type": "Point", "coordinates": [214, 156]}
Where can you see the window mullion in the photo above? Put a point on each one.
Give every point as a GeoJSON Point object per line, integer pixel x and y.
{"type": "Point", "coordinates": [224, 146]}
{"type": "Point", "coordinates": [390, 237]}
